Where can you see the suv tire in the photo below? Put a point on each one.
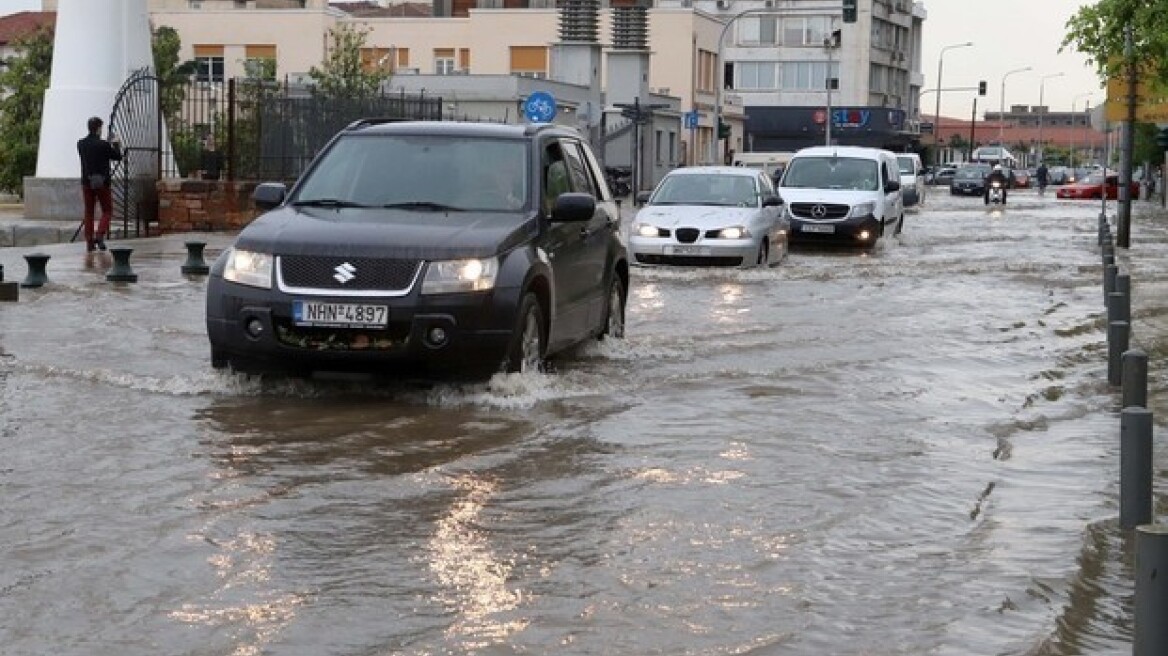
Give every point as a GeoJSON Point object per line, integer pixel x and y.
{"type": "Point", "coordinates": [528, 343]}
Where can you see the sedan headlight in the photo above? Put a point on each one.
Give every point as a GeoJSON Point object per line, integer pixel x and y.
{"type": "Point", "coordinates": [452, 276]}
{"type": "Point", "coordinates": [249, 268]}
{"type": "Point", "coordinates": [646, 230]}
{"type": "Point", "coordinates": [862, 209]}
{"type": "Point", "coordinates": [736, 232]}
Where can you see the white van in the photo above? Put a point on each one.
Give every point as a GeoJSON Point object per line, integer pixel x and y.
{"type": "Point", "coordinates": [771, 162]}
{"type": "Point", "coordinates": [842, 193]}
{"type": "Point", "coordinates": [912, 179]}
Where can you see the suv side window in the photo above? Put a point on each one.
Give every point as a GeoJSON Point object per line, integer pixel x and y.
{"type": "Point", "coordinates": [577, 169]}
{"type": "Point", "coordinates": [554, 175]}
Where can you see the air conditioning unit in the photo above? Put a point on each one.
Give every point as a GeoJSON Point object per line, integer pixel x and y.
{"type": "Point", "coordinates": [723, 4]}
{"type": "Point", "coordinates": [768, 3]}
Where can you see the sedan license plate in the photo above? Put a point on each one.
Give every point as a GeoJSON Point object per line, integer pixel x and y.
{"type": "Point", "coordinates": [818, 227]}
{"type": "Point", "coordinates": [339, 315]}
{"type": "Point", "coordinates": [687, 250]}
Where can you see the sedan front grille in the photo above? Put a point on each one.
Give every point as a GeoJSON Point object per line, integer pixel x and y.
{"type": "Point", "coordinates": [819, 210]}
{"type": "Point", "coordinates": [687, 235]}
{"type": "Point", "coordinates": [350, 274]}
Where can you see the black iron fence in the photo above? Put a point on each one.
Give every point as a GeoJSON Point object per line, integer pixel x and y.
{"type": "Point", "coordinates": [248, 129]}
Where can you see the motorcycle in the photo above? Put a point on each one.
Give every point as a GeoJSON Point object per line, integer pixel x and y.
{"type": "Point", "coordinates": [996, 194]}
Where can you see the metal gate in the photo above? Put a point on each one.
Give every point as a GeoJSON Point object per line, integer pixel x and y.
{"type": "Point", "coordinates": [137, 119]}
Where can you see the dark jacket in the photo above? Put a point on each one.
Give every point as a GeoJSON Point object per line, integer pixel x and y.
{"type": "Point", "coordinates": [1000, 176]}
{"type": "Point", "coordinates": [96, 154]}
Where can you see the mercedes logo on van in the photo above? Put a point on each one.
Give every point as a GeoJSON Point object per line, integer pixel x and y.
{"type": "Point", "coordinates": [818, 211]}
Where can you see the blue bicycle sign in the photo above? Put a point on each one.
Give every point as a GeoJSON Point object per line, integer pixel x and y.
{"type": "Point", "coordinates": [540, 107]}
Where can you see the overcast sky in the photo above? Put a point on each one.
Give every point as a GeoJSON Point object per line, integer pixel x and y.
{"type": "Point", "coordinates": [1006, 35]}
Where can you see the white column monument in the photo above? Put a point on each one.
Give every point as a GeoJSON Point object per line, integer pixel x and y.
{"type": "Point", "coordinates": [97, 44]}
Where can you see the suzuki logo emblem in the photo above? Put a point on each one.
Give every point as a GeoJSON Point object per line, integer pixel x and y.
{"type": "Point", "coordinates": [345, 273]}
{"type": "Point", "coordinates": [819, 211]}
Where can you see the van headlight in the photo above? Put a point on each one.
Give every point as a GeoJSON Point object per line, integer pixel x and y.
{"type": "Point", "coordinates": [862, 209]}
{"type": "Point", "coordinates": [469, 275]}
{"type": "Point", "coordinates": [248, 268]}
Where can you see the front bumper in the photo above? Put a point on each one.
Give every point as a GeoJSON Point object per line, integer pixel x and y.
{"type": "Point", "coordinates": [858, 230]}
{"type": "Point", "coordinates": [251, 330]}
{"type": "Point", "coordinates": [703, 252]}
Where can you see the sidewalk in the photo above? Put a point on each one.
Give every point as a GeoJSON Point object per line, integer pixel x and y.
{"type": "Point", "coordinates": [16, 230]}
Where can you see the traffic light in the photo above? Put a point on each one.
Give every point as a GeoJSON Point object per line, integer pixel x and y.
{"type": "Point", "coordinates": [723, 129]}
{"type": "Point", "coordinates": [1162, 138]}
{"type": "Point", "coordinates": [981, 88]}
{"type": "Point", "coordinates": [850, 11]}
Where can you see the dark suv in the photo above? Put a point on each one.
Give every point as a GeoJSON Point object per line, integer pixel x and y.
{"type": "Point", "coordinates": [424, 247]}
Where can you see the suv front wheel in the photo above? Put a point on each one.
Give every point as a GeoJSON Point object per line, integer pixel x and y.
{"type": "Point", "coordinates": [526, 351]}
{"type": "Point", "coordinates": [614, 323]}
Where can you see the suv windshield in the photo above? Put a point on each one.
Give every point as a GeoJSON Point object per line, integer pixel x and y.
{"type": "Point", "coordinates": [420, 172]}
{"type": "Point", "coordinates": [832, 173]}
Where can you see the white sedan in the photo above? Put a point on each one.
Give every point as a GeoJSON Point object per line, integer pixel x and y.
{"type": "Point", "coordinates": [710, 215]}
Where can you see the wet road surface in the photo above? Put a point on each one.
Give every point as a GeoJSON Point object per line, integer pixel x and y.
{"type": "Point", "coordinates": [908, 451]}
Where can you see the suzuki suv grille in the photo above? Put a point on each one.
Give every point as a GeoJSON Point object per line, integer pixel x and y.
{"type": "Point", "coordinates": [347, 273]}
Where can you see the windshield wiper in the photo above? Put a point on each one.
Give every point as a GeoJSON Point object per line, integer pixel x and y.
{"type": "Point", "coordinates": [327, 202]}
{"type": "Point", "coordinates": [424, 205]}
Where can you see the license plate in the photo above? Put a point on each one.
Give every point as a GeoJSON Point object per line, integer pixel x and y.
{"type": "Point", "coordinates": [818, 227]}
{"type": "Point", "coordinates": [339, 315]}
{"type": "Point", "coordinates": [687, 250]}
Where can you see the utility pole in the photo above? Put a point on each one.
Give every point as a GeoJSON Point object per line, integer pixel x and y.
{"type": "Point", "coordinates": [972, 123]}
{"type": "Point", "coordinates": [830, 43]}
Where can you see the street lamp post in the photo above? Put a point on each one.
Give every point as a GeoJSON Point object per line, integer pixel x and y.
{"type": "Point", "coordinates": [1002, 104]}
{"type": "Point", "coordinates": [1071, 156]}
{"type": "Point", "coordinates": [1042, 111]}
{"type": "Point", "coordinates": [937, 112]}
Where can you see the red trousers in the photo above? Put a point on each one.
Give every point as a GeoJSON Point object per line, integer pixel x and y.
{"type": "Point", "coordinates": [92, 198]}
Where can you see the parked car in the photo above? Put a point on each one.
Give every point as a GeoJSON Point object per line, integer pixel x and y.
{"type": "Point", "coordinates": [912, 178]}
{"type": "Point", "coordinates": [1057, 175]}
{"type": "Point", "coordinates": [1095, 185]}
{"type": "Point", "coordinates": [847, 194]}
{"type": "Point", "coordinates": [943, 176]}
{"type": "Point", "coordinates": [710, 215]}
{"type": "Point", "coordinates": [439, 247]}
{"type": "Point", "coordinates": [1020, 179]}
{"type": "Point", "coordinates": [969, 181]}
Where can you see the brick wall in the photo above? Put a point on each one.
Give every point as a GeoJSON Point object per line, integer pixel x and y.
{"type": "Point", "coordinates": [204, 205]}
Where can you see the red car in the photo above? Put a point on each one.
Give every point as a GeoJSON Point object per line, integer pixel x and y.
{"type": "Point", "coordinates": [1093, 187]}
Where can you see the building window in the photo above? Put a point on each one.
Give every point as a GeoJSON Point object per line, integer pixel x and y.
{"type": "Point", "coordinates": [707, 67]}
{"type": "Point", "coordinates": [529, 61]}
{"type": "Point", "coordinates": [807, 76]}
{"type": "Point", "coordinates": [208, 63]}
{"type": "Point", "coordinates": [756, 75]}
{"type": "Point", "coordinates": [464, 60]}
{"type": "Point", "coordinates": [260, 62]}
{"type": "Point", "coordinates": [443, 61]}
{"type": "Point", "coordinates": [758, 30]}
{"type": "Point", "coordinates": [377, 59]}
{"type": "Point", "coordinates": [807, 30]}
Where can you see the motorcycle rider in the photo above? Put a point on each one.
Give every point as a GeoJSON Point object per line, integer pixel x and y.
{"type": "Point", "coordinates": [999, 176]}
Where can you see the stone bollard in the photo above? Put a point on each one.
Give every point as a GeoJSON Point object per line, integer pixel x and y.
{"type": "Point", "coordinates": [9, 291]}
{"type": "Point", "coordinates": [1135, 379]}
{"type": "Point", "coordinates": [1118, 335]}
{"type": "Point", "coordinates": [37, 276]}
{"type": "Point", "coordinates": [1118, 307]}
{"type": "Point", "coordinates": [195, 265]}
{"type": "Point", "coordinates": [121, 271]}
{"type": "Point", "coordinates": [1109, 273]}
{"type": "Point", "coordinates": [1151, 598]}
{"type": "Point", "coordinates": [1135, 467]}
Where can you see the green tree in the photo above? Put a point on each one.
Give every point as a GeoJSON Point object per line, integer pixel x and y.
{"type": "Point", "coordinates": [343, 73]}
{"type": "Point", "coordinates": [172, 75]}
{"type": "Point", "coordinates": [23, 82]}
{"type": "Point", "coordinates": [1098, 31]}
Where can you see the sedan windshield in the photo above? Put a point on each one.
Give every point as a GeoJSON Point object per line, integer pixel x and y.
{"type": "Point", "coordinates": [422, 173]}
{"type": "Point", "coordinates": [832, 173]}
{"type": "Point", "coordinates": [706, 189]}
{"type": "Point", "coordinates": [971, 174]}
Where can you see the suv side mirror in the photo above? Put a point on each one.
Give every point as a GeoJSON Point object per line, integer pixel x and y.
{"type": "Point", "coordinates": [269, 195]}
{"type": "Point", "coordinates": [572, 206]}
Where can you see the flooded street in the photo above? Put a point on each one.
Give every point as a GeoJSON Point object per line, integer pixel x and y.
{"type": "Point", "coordinates": [903, 452]}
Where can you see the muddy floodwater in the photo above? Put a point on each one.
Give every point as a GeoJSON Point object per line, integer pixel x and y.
{"type": "Point", "coordinates": [907, 451]}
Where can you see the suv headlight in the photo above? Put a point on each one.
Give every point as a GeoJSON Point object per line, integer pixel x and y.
{"type": "Point", "coordinates": [249, 268]}
{"type": "Point", "coordinates": [735, 232]}
{"type": "Point", "coordinates": [451, 276]}
{"type": "Point", "coordinates": [862, 209]}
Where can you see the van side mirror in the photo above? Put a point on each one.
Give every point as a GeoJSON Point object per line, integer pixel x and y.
{"type": "Point", "coordinates": [771, 200]}
{"type": "Point", "coordinates": [892, 185]}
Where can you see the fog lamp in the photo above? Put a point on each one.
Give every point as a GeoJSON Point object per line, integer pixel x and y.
{"type": "Point", "coordinates": [254, 327]}
{"type": "Point", "coordinates": [436, 335]}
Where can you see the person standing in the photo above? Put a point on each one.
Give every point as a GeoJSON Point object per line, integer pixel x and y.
{"type": "Point", "coordinates": [96, 154]}
{"type": "Point", "coordinates": [1043, 175]}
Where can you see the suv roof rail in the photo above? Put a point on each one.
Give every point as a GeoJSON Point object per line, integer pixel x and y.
{"type": "Point", "coordinates": [373, 120]}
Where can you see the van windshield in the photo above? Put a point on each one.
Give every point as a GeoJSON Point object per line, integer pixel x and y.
{"type": "Point", "coordinates": [832, 173]}
{"type": "Point", "coordinates": [906, 165]}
